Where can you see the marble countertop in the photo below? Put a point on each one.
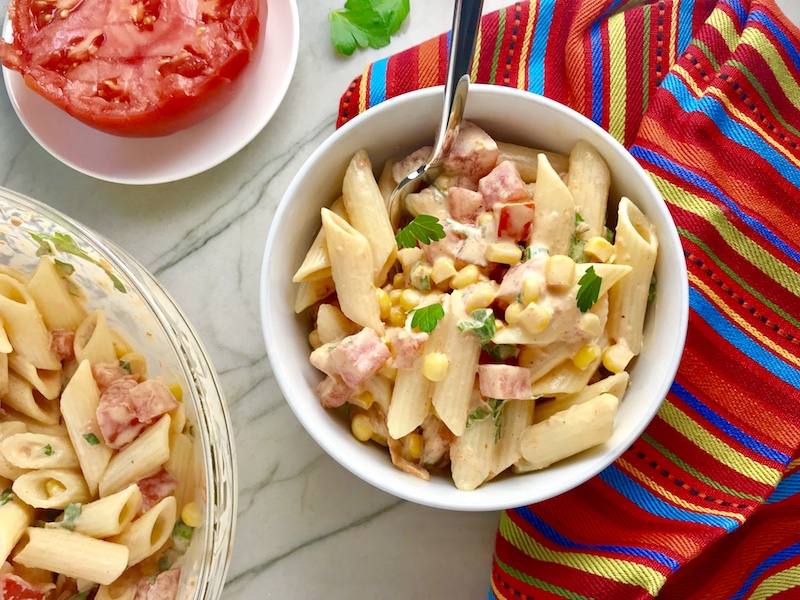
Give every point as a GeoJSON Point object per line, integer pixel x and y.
{"type": "Point", "coordinates": [307, 528]}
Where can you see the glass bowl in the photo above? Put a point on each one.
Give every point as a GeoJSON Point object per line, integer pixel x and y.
{"type": "Point", "coordinates": [154, 325]}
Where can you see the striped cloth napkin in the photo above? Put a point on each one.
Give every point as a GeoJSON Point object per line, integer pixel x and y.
{"type": "Point", "coordinates": [706, 95]}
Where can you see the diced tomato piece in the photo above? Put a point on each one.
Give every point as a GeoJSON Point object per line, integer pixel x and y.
{"type": "Point", "coordinates": [333, 392]}
{"type": "Point", "coordinates": [151, 399]}
{"type": "Point", "coordinates": [465, 205]}
{"type": "Point", "coordinates": [407, 346]}
{"type": "Point", "coordinates": [165, 586]}
{"type": "Point", "coordinates": [503, 184]}
{"type": "Point", "coordinates": [127, 407]}
{"type": "Point", "coordinates": [359, 356]}
{"type": "Point", "coordinates": [504, 382]}
{"type": "Point", "coordinates": [13, 587]}
{"type": "Point", "coordinates": [61, 343]}
{"type": "Point", "coordinates": [404, 167]}
{"type": "Point", "coordinates": [107, 373]}
{"type": "Point", "coordinates": [514, 220]}
{"type": "Point", "coordinates": [155, 488]}
{"type": "Point", "coordinates": [474, 153]}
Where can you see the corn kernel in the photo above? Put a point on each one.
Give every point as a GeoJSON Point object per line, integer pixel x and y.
{"type": "Point", "coordinates": [409, 299]}
{"type": "Point", "coordinates": [388, 370]}
{"type": "Point", "coordinates": [530, 289]}
{"type": "Point", "coordinates": [599, 247]}
{"type": "Point", "coordinates": [192, 515]}
{"type": "Point", "coordinates": [313, 339]}
{"type": "Point", "coordinates": [121, 346]}
{"type": "Point", "coordinates": [616, 358]}
{"type": "Point", "coordinates": [505, 253]}
{"type": "Point", "coordinates": [435, 366]}
{"type": "Point", "coordinates": [586, 355]}
{"type": "Point", "coordinates": [499, 324]}
{"type": "Point", "coordinates": [176, 390]}
{"type": "Point", "coordinates": [361, 427]}
{"type": "Point", "coordinates": [466, 276]}
{"type": "Point", "coordinates": [486, 220]}
{"type": "Point", "coordinates": [535, 317]}
{"type": "Point", "coordinates": [559, 271]}
{"type": "Point", "coordinates": [394, 296]}
{"type": "Point", "coordinates": [408, 257]}
{"type": "Point", "coordinates": [414, 445]}
{"type": "Point", "coordinates": [363, 400]}
{"type": "Point", "coordinates": [590, 323]}
{"type": "Point", "coordinates": [513, 312]}
{"type": "Point", "coordinates": [54, 488]}
{"type": "Point", "coordinates": [528, 356]}
{"type": "Point", "coordinates": [384, 302]}
{"type": "Point", "coordinates": [397, 316]}
{"type": "Point", "coordinates": [481, 298]}
{"type": "Point", "coordinates": [443, 269]}
{"type": "Point", "coordinates": [399, 280]}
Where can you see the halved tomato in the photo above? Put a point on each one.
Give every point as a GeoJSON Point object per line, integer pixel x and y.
{"type": "Point", "coordinates": [137, 68]}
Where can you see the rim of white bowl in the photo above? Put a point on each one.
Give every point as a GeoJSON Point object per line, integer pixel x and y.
{"type": "Point", "coordinates": [467, 501]}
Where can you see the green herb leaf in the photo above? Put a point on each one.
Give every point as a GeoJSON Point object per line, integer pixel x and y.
{"type": "Point", "coordinates": [164, 563]}
{"type": "Point", "coordinates": [63, 242]}
{"type": "Point", "coordinates": [497, 415]}
{"type": "Point", "coordinates": [481, 323]}
{"type": "Point", "coordinates": [425, 283]}
{"type": "Point", "coordinates": [182, 536]}
{"type": "Point", "coordinates": [501, 352]}
{"type": "Point", "coordinates": [72, 513]}
{"type": "Point", "coordinates": [366, 23]}
{"type": "Point", "coordinates": [576, 245]}
{"type": "Point", "coordinates": [64, 269]}
{"type": "Point", "coordinates": [48, 450]}
{"type": "Point", "coordinates": [589, 289]}
{"type": "Point", "coordinates": [532, 251]}
{"type": "Point", "coordinates": [124, 364]}
{"type": "Point", "coordinates": [152, 579]}
{"type": "Point", "coordinates": [82, 595]}
{"type": "Point", "coordinates": [578, 219]}
{"type": "Point", "coordinates": [479, 414]}
{"type": "Point", "coordinates": [651, 293]}
{"type": "Point", "coordinates": [91, 439]}
{"type": "Point", "coordinates": [608, 234]}
{"type": "Point", "coordinates": [424, 228]}
{"type": "Point", "coordinates": [426, 318]}
{"type": "Point", "coordinates": [6, 496]}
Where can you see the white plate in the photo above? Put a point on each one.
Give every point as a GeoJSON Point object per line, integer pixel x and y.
{"type": "Point", "coordinates": [182, 154]}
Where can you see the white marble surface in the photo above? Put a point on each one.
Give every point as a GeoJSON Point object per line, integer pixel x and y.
{"type": "Point", "coordinates": [306, 528]}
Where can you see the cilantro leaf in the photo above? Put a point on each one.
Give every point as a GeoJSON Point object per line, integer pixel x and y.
{"type": "Point", "coordinates": [497, 414]}
{"type": "Point", "coordinates": [608, 234]}
{"type": "Point", "coordinates": [651, 293]}
{"type": "Point", "coordinates": [501, 352]}
{"type": "Point", "coordinates": [479, 414]}
{"type": "Point", "coordinates": [366, 23]}
{"type": "Point", "coordinates": [427, 317]}
{"type": "Point", "coordinates": [576, 245]}
{"type": "Point", "coordinates": [64, 269]}
{"type": "Point", "coordinates": [91, 439]}
{"type": "Point", "coordinates": [81, 596]}
{"type": "Point", "coordinates": [63, 242]}
{"type": "Point", "coordinates": [425, 228]}
{"type": "Point", "coordinates": [481, 323]}
{"type": "Point", "coordinates": [182, 536]}
{"type": "Point", "coordinates": [72, 513]}
{"type": "Point", "coordinates": [126, 366]}
{"type": "Point", "coordinates": [48, 450]}
{"type": "Point", "coordinates": [5, 496]}
{"type": "Point", "coordinates": [589, 289]}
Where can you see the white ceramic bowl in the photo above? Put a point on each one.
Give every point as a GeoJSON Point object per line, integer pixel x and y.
{"type": "Point", "coordinates": [399, 126]}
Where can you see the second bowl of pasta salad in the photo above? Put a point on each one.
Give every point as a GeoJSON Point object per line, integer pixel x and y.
{"type": "Point", "coordinates": [505, 336]}
{"type": "Point", "coordinates": [117, 472]}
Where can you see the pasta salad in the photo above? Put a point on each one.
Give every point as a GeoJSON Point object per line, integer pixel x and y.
{"type": "Point", "coordinates": [493, 330]}
{"type": "Point", "coordinates": [97, 489]}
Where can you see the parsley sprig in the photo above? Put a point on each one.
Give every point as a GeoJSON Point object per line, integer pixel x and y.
{"type": "Point", "coordinates": [481, 323]}
{"type": "Point", "coordinates": [366, 23]}
{"type": "Point", "coordinates": [427, 317]}
{"type": "Point", "coordinates": [424, 228]}
{"type": "Point", "coordinates": [588, 289]}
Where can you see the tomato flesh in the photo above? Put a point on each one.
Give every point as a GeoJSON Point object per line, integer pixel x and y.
{"type": "Point", "coordinates": [13, 587]}
{"type": "Point", "coordinates": [136, 68]}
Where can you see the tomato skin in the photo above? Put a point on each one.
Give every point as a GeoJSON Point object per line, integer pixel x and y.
{"type": "Point", "coordinates": [13, 587]}
{"type": "Point", "coordinates": [105, 64]}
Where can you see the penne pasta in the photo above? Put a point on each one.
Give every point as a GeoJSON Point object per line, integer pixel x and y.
{"type": "Point", "coordinates": [351, 265]}
{"type": "Point", "coordinates": [59, 308]}
{"type": "Point", "coordinates": [137, 460]}
{"type": "Point", "coordinates": [589, 181]}
{"type": "Point", "coordinates": [526, 160]}
{"type": "Point", "coordinates": [39, 451]}
{"type": "Point", "coordinates": [110, 515]}
{"type": "Point", "coordinates": [23, 398]}
{"type": "Point", "coordinates": [311, 292]}
{"type": "Point", "coordinates": [24, 324]}
{"type": "Point", "coordinates": [7, 469]}
{"type": "Point", "coordinates": [614, 385]}
{"type": "Point", "coordinates": [472, 453]}
{"type": "Point", "coordinates": [45, 381]}
{"type": "Point", "coordinates": [15, 517]}
{"type": "Point", "coordinates": [79, 403]}
{"type": "Point", "coordinates": [317, 263]}
{"type": "Point", "coordinates": [367, 211]}
{"type": "Point", "coordinates": [51, 488]}
{"type": "Point", "coordinates": [635, 245]}
{"type": "Point", "coordinates": [146, 535]}
{"type": "Point", "coordinates": [517, 416]}
{"type": "Point", "coordinates": [56, 549]}
{"type": "Point", "coordinates": [554, 211]}
{"type": "Point", "coordinates": [93, 341]}
{"type": "Point", "coordinates": [332, 325]}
